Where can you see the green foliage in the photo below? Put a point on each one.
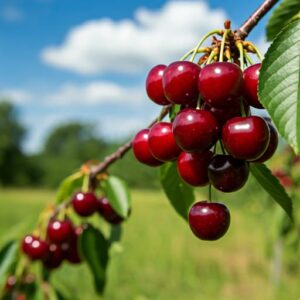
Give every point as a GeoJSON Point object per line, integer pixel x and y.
{"type": "Point", "coordinates": [94, 250]}
{"type": "Point", "coordinates": [118, 195]}
{"type": "Point", "coordinates": [180, 195]}
{"type": "Point", "coordinates": [272, 186]}
{"type": "Point", "coordinates": [281, 16]}
{"type": "Point", "coordinates": [279, 83]}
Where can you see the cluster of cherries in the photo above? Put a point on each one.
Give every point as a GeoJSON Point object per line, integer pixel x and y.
{"type": "Point", "coordinates": [215, 105]}
{"type": "Point", "coordinates": [61, 242]}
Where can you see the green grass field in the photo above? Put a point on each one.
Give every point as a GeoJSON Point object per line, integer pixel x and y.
{"type": "Point", "coordinates": [160, 259]}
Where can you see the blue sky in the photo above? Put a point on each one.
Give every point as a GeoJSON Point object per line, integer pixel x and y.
{"type": "Point", "coordinates": [65, 60]}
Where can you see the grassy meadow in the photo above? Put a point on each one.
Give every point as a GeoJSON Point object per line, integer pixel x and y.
{"type": "Point", "coordinates": [160, 259]}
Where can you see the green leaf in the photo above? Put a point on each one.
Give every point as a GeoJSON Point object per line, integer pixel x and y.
{"type": "Point", "coordinates": [279, 85]}
{"type": "Point", "coordinates": [272, 186]}
{"type": "Point", "coordinates": [94, 250]}
{"type": "Point", "coordinates": [8, 256]}
{"type": "Point", "coordinates": [68, 187]}
{"type": "Point", "coordinates": [174, 110]}
{"type": "Point", "coordinates": [115, 234]}
{"type": "Point", "coordinates": [117, 193]}
{"type": "Point", "coordinates": [179, 193]}
{"type": "Point", "coordinates": [281, 16]}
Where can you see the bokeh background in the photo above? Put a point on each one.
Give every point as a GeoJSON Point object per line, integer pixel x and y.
{"type": "Point", "coordinates": [72, 89]}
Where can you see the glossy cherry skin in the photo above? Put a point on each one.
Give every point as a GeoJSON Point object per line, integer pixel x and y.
{"type": "Point", "coordinates": [107, 212]}
{"type": "Point", "coordinates": [246, 137]}
{"type": "Point", "coordinates": [220, 83]}
{"type": "Point", "coordinates": [195, 130]}
{"type": "Point", "coordinates": [222, 115]}
{"type": "Point", "coordinates": [84, 204]}
{"type": "Point", "coordinates": [272, 146]}
{"type": "Point", "coordinates": [59, 231]}
{"type": "Point", "coordinates": [141, 151]}
{"type": "Point", "coordinates": [162, 143]}
{"type": "Point", "coordinates": [54, 257]}
{"type": "Point", "coordinates": [250, 85]}
{"type": "Point", "coordinates": [71, 252]}
{"type": "Point", "coordinates": [228, 174]}
{"type": "Point", "coordinates": [180, 82]}
{"type": "Point", "coordinates": [154, 86]}
{"type": "Point", "coordinates": [209, 220]}
{"type": "Point", "coordinates": [192, 167]}
{"type": "Point", "coordinates": [34, 248]}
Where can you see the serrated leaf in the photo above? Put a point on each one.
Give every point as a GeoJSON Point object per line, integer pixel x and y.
{"type": "Point", "coordinates": [279, 84]}
{"type": "Point", "coordinates": [8, 255]}
{"type": "Point", "coordinates": [272, 186]}
{"type": "Point", "coordinates": [117, 193]}
{"type": "Point", "coordinates": [180, 195]}
{"type": "Point", "coordinates": [94, 250]}
{"type": "Point", "coordinates": [68, 187]}
{"type": "Point", "coordinates": [281, 16]}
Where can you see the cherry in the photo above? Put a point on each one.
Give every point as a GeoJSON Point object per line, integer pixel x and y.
{"type": "Point", "coordinates": [59, 231]}
{"type": "Point", "coordinates": [162, 144]}
{"type": "Point", "coordinates": [209, 220]}
{"type": "Point", "coordinates": [107, 212]}
{"type": "Point", "coordinates": [272, 146]}
{"type": "Point", "coordinates": [222, 115]}
{"type": "Point", "coordinates": [141, 151]}
{"type": "Point", "coordinates": [192, 167]}
{"type": "Point", "coordinates": [250, 86]}
{"type": "Point", "coordinates": [180, 82]}
{"type": "Point", "coordinates": [246, 137]}
{"type": "Point", "coordinates": [228, 174]}
{"type": "Point", "coordinates": [195, 130]}
{"type": "Point", "coordinates": [85, 204]}
{"type": "Point", "coordinates": [54, 257]}
{"type": "Point", "coordinates": [220, 83]}
{"type": "Point", "coordinates": [154, 85]}
{"type": "Point", "coordinates": [71, 252]}
{"type": "Point", "coordinates": [34, 248]}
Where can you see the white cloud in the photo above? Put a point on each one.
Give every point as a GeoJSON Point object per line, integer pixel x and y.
{"type": "Point", "coordinates": [11, 14]}
{"type": "Point", "coordinates": [17, 96]}
{"type": "Point", "coordinates": [132, 45]}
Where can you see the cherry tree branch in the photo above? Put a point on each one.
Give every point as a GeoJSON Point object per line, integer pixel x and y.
{"type": "Point", "coordinates": [241, 33]}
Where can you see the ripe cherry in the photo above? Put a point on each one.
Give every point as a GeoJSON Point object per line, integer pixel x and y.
{"type": "Point", "coordinates": [84, 204]}
{"type": "Point", "coordinates": [272, 146]}
{"type": "Point", "coordinates": [59, 231]}
{"type": "Point", "coordinates": [162, 143]}
{"type": "Point", "coordinates": [228, 174]}
{"type": "Point", "coordinates": [246, 137]}
{"type": "Point", "coordinates": [180, 82]}
{"type": "Point", "coordinates": [34, 248]}
{"type": "Point", "coordinates": [192, 167]}
{"type": "Point", "coordinates": [209, 220]}
{"type": "Point", "coordinates": [154, 85]}
{"type": "Point", "coordinates": [54, 257]}
{"type": "Point", "coordinates": [250, 86]}
{"type": "Point", "coordinates": [195, 130]}
{"type": "Point", "coordinates": [107, 212]}
{"type": "Point", "coordinates": [220, 83]}
{"type": "Point", "coordinates": [141, 151]}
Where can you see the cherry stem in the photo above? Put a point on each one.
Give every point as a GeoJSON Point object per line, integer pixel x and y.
{"type": "Point", "coordinates": [249, 59]}
{"type": "Point", "coordinates": [241, 51]}
{"type": "Point", "coordinates": [211, 56]}
{"type": "Point", "coordinates": [259, 55]}
{"type": "Point", "coordinates": [85, 183]}
{"type": "Point", "coordinates": [201, 50]}
{"type": "Point", "coordinates": [221, 57]}
{"type": "Point", "coordinates": [198, 103]}
{"type": "Point", "coordinates": [202, 41]}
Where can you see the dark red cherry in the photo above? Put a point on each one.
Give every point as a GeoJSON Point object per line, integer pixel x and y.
{"type": "Point", "coordinates": [54, 257]}
{"type": "Point", "coordinates": [209, 220]}
{"type": "Point", "coordinates": [246, 137]}
{"type": "Point", "coordinates": [228, 174]}
{"type": "Point", "coordinates": [222, 115]}
{"type": "Point", "coordinates": [180, 82]}
{"type": "Point", "coordinates": [84, 204]}
{"type": "Point", "coordinates": [59, 231]}
{"type": "Point", "coordinates": [154, 85]}
{"type": "Point", "coordinates": [220, 83]}
{"type": "Point", "coordinates": [71, 252]}
{"type": "Point", "coordinates": [107, 212]}
{"type": "Point", "coordinates": [272, 146]}
{"type": "Point", "coordinates": [141, 151]}
{"type": "Point", "coordinates": [192, 167]}
{"type": "Point", "coordinates": [250, 86]}
{"type": "Point", "coordinates": [162, 143]}
{"type": "Point", "coordinates": [195, 130]}
{"type": "Point", "coordinates": [34, 248]}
